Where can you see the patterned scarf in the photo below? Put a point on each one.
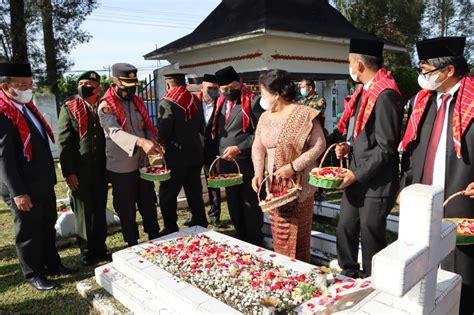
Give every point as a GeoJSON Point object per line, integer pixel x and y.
{"type": "Point", "coordinates": [463, 113]}
{"type": "Point", "coordinates": [246, 97]}
{"type": "Point", "coordinates": [112, 99]}
{"type": "Point", "coordinates": [383, 80]}
{"type": "Point", "coordinates": [78, 109]}
{"type": "Point", "coordinates": [10, 111]}
{"type": "Point", "coordinates": [184, 99]}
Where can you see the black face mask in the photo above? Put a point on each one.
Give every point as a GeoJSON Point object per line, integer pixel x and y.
{"type": "Point", "coordinates": [232, 95]}
{"type": "Point", "coordinates": [85, 91]}
{"type": "Point", "coordinates": [126, 93]}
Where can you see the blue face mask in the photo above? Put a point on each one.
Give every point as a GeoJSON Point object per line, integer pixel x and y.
{"type": "Point", "coordinates": [303, 92]}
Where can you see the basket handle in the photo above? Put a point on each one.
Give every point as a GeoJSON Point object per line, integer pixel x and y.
{"type": "Point", "coordinates": [459, 193]}
{"type": "Point", "coordinates": [211, 168]}
{"type": "Point", "coordinates": [264, 180]}
{"type": "Point", "coordinates": [325, 155]}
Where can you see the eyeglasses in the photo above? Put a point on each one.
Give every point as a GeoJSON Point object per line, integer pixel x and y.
{"type": "Point", "coordinates": [426, 74]}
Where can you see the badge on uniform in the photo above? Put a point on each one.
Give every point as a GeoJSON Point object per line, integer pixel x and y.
{"type": "Point", "coordinates": [105, 109]}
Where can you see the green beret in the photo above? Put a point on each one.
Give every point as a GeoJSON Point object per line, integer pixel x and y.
{"type": "Point", "coordinates": [89, 75]}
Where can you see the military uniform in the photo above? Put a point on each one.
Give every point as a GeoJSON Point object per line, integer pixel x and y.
{"type": "Point", "coordinates": [317, 102]}
{"type": "Point", "coordinates": [178, 128]}
{"type": "Point", "coordinates": [84, 156]}
{"type": "Point", "coordinates": [124, 159]}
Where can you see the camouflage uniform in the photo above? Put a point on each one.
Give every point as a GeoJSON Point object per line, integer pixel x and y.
{"type": "Point", "coordinates": [315, 101]}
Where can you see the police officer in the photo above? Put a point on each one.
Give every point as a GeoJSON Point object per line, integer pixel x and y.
{"type": "Point", "coordinates": [129, 136]}
{"type": "Point", "coordinates": [81, 144]}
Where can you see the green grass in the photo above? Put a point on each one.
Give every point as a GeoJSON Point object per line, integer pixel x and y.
{"type": "Point", "coordinates": [18, 297]}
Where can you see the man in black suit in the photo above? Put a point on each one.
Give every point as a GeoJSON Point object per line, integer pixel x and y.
{"type": "Point", "coordinates": [235, 120]}
{"type": "Point", "coordinates": [206, 98]}
{"type": "Point", "coordinates": [178, 132]}
{"type": "Point", "coordinates": [438, 144]}
{"type": "Point", "coordinates": [27, 177]}
{"type": "Point", "coordinates": [371, 121]}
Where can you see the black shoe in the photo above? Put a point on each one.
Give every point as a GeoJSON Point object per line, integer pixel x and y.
{"type": "Point", "coordinates": [88, 260]}
{"type": "Point", "coordinates": [107, 256]}
{"type": "Point", "coordinates": [351, 273]}
{"type": "Point", "coordinates": [42, 284]}
{"type": "Point", "coordinates": [166, 232]}
{"type": "Point", "coordinates": [61, 270]}
{"type": "Point", "coordinates": [218, 224]}
{"type": "Point", "coordinates": [188, 222]}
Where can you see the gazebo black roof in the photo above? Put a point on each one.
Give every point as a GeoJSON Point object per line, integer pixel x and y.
{"type": "Point", "coordinates": [237, 17]}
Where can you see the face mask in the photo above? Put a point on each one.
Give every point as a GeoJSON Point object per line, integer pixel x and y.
{"type": "Point", "coordinates": [126, 93]}
{"type": "Point", "coordinates": [85, 91]}
{"type": "Point", "coordinates": [211, 94]}
{"type": "Point", "coordinates": [304, 92]}
{"type": "Point", "coordinates": [232, 95]}
{"type": "Point", "coordinates": [430, 83]}
{"type": "Point", "coordinates": [265, 104]}
{"type": "Point", "coordinates": [353, 76]}
{"type": "Point", "coordinates": [23, 97]}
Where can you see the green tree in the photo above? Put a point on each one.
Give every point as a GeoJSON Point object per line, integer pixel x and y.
{"type": "Point", "coordinates": [407, 81]}
{"type": "Point", "coordinates": [395, 20]}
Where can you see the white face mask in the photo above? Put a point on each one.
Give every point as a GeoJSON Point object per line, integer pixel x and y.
{"type": "Point", "coordinates": [265, 104]}
{"type": "Point", "coordinates": [430, 83]}
{"type": "Point", "coordinates": [353, 76]}
{"type": "Point", "coordinates": [23, 97]}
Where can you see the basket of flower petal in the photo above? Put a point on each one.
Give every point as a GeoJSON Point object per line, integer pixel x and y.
{"type": "Point", "coordinates": [327, 177]}
{"type": "Point", "coordinates": [278, 199]}
{"type": "Point", "coordinates": [159, 173]}
{"type": "Point", "coordinates": [156, 160]}
{"type": "Point", "coordinates": [217, 180]}
{"type": "Point", "coordinates": [464, 226]}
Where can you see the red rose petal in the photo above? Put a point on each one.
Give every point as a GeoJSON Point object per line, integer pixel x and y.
{"type": "Point", "coordinates": [105, 270]}
{"type": "Point", "coordinates": [272, 255]}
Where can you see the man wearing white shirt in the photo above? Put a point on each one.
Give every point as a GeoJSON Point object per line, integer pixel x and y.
{"type": "Point", "coordinates": [207, 103]}
{"type": "Point", "coordinates": [439, 141]}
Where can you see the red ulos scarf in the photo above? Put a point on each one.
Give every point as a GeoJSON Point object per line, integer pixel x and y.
{"type": "Point", "coordinates": [383, 80]}
{"type": "Point", "coordinates": [184, 99]}
{"type": "Point", "coordinates": [463, 113]}
{"type": "Point", "coordinates": [78, 110]}
{"type": "Point", "coordinates": [112, 99]}
{"type": "Point", "coordinates": [8, 109]}
{"type": "Point", "coordinates": [246, 97]}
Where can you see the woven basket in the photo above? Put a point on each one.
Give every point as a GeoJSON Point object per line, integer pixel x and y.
{"type": "Point", "coordinates": [232, 179]}
{"type": "Point", "coordinates": [462, 238]}
{"type": "Point", "coordinates": [315, 179]}
{"type": "Point", "coordinates": [155, 177]}
{"type": "Point", "coordinates": [291, 195]}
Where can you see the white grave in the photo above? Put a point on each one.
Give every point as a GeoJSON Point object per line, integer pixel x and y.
{"type": "Point", "coordinates": [405, 274]}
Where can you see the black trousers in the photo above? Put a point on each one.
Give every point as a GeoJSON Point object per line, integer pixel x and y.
{"type": "Point", "coordinates": [461, 261]}
{"type": "Point", "coordinates": [366, 217]}
{"type": "Point", "coordinates": [188, 178]}
{"type": "Point", "coordinates": [35, 235]}
{"type": "Point", "coordinates": [245, 213]}
{"type": "Point", "coordinates": [131, 192]}
{"type": "Point", "coordinates": [214, 198]}
{"type": "Point", "coordinates": [88, 203]}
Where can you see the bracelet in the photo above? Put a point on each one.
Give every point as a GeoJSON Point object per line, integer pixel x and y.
{"type": "Point", "coordinates": [292, 167]}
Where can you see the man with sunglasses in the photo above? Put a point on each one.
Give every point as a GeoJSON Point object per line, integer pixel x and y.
{"type": "Point", "coordinates": [438, 144]}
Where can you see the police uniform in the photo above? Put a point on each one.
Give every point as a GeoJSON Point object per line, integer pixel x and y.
{"type": "Point", "coordinates": [82, 153]}
{"type": "Point", "coordinates": [124, 158]}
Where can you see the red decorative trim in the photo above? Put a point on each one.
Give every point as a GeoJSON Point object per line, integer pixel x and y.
{"type": "Point", "coordinates": [307, 58]}
{"type": "Point", "coordinates": [212, 62]}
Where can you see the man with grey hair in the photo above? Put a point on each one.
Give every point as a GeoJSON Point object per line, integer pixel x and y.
{"type": "Point", "coordinates": [27, 177]}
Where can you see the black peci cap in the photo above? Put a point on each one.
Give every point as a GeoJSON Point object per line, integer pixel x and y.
{"type": "Point", "coordinates": [367, 47]}
{"type": "Point", "coordinates": [440, 47]}
{"type": "Point", "coordinates": [226, 76]}
{"type": "Point", "coordinates": [209, 78]}
{"type": "Point", "coordinates": [10, 69]}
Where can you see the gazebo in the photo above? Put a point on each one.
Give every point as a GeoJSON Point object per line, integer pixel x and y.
{"type": "Point", "coordinates": [308, 38]}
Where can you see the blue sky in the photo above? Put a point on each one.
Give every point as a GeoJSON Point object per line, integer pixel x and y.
{"type": "Point", "coordinates": [124, 30]}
